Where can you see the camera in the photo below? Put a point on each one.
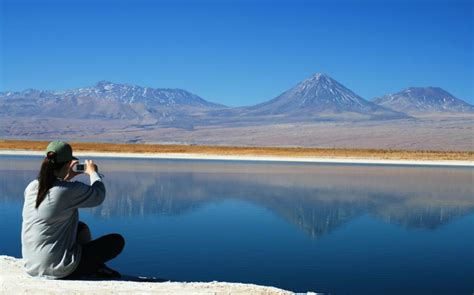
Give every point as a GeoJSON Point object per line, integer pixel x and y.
{"type": "Point", "coordinates": [79, 167]}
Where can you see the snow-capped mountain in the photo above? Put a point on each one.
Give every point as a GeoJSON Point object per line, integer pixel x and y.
{"type": "Point", "coordinates": [105, 100]}
{"type": "Point", "coordinates": [321, 95]}
{"type": "Point", "coordinates": [129, 94]}
{"type": "Point", "coordinates": [416, 100]}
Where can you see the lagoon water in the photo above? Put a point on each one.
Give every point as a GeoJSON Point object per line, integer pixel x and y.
{"type": "Point", "coordinates": [339, 229]}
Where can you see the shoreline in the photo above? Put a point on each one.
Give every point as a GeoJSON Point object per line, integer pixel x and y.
{"type": "Point", "coordinates": [14, 280]}
{"type": "Point", "coordinates": [257, 158]}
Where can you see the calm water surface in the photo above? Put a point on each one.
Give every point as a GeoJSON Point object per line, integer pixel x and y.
{"type": "Point", "coordinates": [339, 229]}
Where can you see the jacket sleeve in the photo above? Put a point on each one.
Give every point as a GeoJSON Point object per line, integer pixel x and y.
{"type": "Point", "coordinates": [83, 195]}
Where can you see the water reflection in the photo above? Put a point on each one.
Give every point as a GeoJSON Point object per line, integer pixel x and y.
{"type": "Point", "coordinates": [315, 198]}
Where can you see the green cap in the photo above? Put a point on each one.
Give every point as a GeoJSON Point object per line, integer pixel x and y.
{"type": "Point", "coordinates": [62, 149]}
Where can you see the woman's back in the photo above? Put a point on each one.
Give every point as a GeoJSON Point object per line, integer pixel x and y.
{"type": "Point", "coordinates": [49, 246]}
{"type": "Point", "coordinates": [55, 244]}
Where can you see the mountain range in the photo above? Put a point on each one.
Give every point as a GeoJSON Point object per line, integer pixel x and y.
{"type": "Point", "coordinates": [317, 98]}
{"type": "Point", "coordinates": [145, 112]}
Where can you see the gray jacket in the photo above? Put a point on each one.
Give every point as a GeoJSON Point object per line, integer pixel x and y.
{"type": "Point", "coordinates": [48, 234]}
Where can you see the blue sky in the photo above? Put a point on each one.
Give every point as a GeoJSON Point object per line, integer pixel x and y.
{"type": "Point", "coordinates": [238, 52]}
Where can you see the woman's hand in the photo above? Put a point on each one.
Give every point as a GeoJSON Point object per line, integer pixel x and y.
{"type": "Point", "coordinates": [70, 173]}
{"type": "Point", "coordinates": [90, 167]}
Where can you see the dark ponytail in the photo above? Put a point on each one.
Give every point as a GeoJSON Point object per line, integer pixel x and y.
{"type": "Point", "coordinates": [46, 176]}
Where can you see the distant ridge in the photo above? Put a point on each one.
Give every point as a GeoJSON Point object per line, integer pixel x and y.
{"type": "Point", "coordinates": [418, 100]}
{"type": "Point", "coordinates": [106, 100]}
{"type": "Point", "coordinates": [128, 93]}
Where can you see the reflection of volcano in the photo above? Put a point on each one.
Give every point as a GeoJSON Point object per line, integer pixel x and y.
{"type": "Point", "coordinates": [317, 210]}
{"type": "Point", "coordinates": [317, 218]}
{"type": "Point", "coordinates": [316, 198]}
{"type": "Point", "coordinates": [177, 193]}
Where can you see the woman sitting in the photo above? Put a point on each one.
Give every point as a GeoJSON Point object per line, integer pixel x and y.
{"type": "Point", "coordinates": [55, 244]}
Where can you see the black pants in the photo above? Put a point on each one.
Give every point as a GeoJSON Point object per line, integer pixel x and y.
{"type": "Point", "coordinates": [96, 252]}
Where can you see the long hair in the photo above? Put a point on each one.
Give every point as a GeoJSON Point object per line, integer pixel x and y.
{"type": "Point", "coordinates": [46, 176]}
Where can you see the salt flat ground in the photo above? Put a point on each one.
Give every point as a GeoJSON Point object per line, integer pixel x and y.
{"type": "Point", "coordinates": [13, 280]}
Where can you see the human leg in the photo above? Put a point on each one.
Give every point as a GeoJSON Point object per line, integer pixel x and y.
{"type": "Point", "coordinates": [83, 233]}
{"type": "Point", "coordinates": [96, 252]}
